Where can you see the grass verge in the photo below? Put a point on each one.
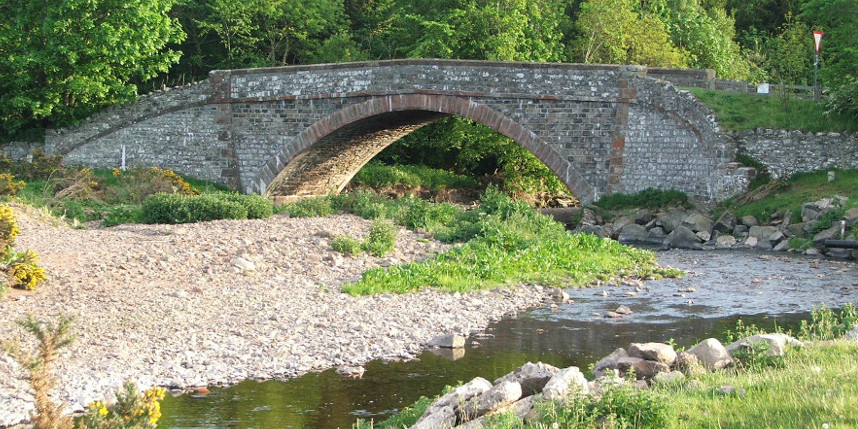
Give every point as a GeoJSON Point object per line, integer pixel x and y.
{"type": "Point", "coordinates": [748, 111]}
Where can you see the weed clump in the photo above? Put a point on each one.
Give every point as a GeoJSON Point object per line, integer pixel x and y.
{"type": "Point", "coordinates": [21, 268]}
{"type": "Point", "coordinates": [381, 239]}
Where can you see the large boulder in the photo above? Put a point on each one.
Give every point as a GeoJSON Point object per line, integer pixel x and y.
{"type": "Point", "coordinates": [519, 409]}
{"type": "Point", "coordinates": [683, 238]}
{"type": "Point", "coordinates": [644, 369]}
{"type": "Point", "coordinates": [776, 343]}
{"type": "Point", "coordinates": [633, 233]}
{"type": "Point", "coordinates": [832, 233]}
{"type": "Point", "coordinates": [609, 362]}
{"type": "Point", "coordinates": [749, 221]}
{"type": "Point", "coordinates": [442, 413]}
{"type": "Point", "coordinates": [451, 341]}
{"type": "Point", "coordinates": [500, 395]}
{"type": "Point", "coordinates": [672, 220]}
{"type": "Point", "coordinates": [712, 354]}
{"type": "Point", "coordinates": [567, 381]}
{"type": "Point", "coordinates": [658, 352]}
{"type": "Point", "coordinates": [725, 242]}
{"type": "Point", "coordinates": [725, 223]}
{"type": "Point", "coordinates": [762, 233]}
{"type": "Point", "coordinates": [531, 376]}
{"type": "Point", "coordinates": [698, 222]}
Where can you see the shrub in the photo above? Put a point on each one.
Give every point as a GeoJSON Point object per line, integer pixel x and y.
{"type": "Point", "coordinates": [257, 206]}
{"type": "Point", "coordinates": [79, 185]}
{"type": "Point", "coordinates": [8, 231]}
{"type": "Point", "coordinates": [41, 167]}
{"type": "Point", "coordinates": [8, 185]}
{"type": "Point", "coordinates": [131, 410]}
{"type": "Point", "coordinates": [122, 213]}
{"type": "Point", "coordinates": [24, 270]}
{"type": "Point", "coordinates": [346, 244]}
{"type": "Point", "coordinates": [165, 208]}
{"type": "Point", "coordinates": [137, 183]}
{"type": "Point", "coordinates": [207, 207]}
{"type": "Point", "coordinates": [617, 407]}
{"type": "Point", "coordinates": [826, 324]}
{"type": "Point", "coordinates": [381, 239]}
{"type": "Point", "coordinates": [310, 207]}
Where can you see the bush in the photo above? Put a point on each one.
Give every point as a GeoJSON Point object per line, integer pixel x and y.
{"type": "Point", "coordinates": [8, 185]}
{"type": "Point", "coordinates": [137, 183]}
{"type": "Point", "coordinates": [131, 410]}
{"type": "Point", "coordinates": [346, 244]}
{"type": "Point", "coordinates": [8, 231]}
{"type": "Point", "coordinates": [257, 206]}
{"type": "Point", "coordinates": [165, 208]}
{"type": "Point", "coordinates": [381, 239]}
{"type": "Point", "coordinates": [41, 167]}
{"type": "Point", "coordinates": [207, 207]}
{"type": "Point", "coordinates": [310, 207]}
{"type": "Point", "coordinates": [826, 324]}
{"type": "Point", "coordinates": [24, 270]}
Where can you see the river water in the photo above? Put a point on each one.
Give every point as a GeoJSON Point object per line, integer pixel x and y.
{"type": "Point", "coordinates": [762, 288]}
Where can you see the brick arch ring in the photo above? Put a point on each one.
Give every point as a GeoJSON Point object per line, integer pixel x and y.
{"type": "Point", "coordinates": [444, 104]}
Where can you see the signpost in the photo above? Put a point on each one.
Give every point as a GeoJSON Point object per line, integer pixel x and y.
{"type": "Point", "coordinates": [817, 40]}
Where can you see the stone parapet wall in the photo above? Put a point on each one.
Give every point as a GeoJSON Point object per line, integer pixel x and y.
{"type": "Point", "coordinates": [785, 153]}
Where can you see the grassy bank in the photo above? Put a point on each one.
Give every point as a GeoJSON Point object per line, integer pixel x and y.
{"type": "Point", "coordinates": [813, 386]}
{"type": "Point", "coordinates": [506, 242]}
{"type": "Point", "coordinates": [748, 111]}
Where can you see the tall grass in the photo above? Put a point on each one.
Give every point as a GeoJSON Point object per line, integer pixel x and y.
{"type": "Point", "coordinates": [748, 111]}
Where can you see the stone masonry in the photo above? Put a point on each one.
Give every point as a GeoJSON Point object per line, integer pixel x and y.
{"type": "Point", "coordinates": [306, 130]}
{"type": "Point", "coordinates": [785, 153]}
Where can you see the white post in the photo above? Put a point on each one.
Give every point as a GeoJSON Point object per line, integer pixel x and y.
{"type": "Point", "coordinates": [122, 166]}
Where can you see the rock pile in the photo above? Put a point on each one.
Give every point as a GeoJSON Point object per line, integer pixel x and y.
{"type": "Point", "coordinates": [690, 229]}
{"type": "Point", "coordinates": [469, 405]}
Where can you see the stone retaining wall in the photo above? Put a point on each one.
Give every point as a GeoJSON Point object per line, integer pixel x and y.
{"type": "Point", "coordinates": [785, 153]}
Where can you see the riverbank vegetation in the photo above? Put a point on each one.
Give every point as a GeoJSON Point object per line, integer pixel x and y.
{"type": "Point", "coordinates": [815, 384]}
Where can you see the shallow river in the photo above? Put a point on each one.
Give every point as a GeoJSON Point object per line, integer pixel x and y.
{"type": "Point", "coordinates": [765, 289]}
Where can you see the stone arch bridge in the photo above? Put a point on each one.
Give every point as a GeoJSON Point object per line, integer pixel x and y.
{"type": "Point", "coordinates": [306, 130]}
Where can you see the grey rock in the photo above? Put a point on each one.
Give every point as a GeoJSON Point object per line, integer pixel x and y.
{"type": "Point", "coordinates": [643, 217]}
{"type": "Point", "coordinates": [644, 369]}
{"type": "Point", "coordinates": [244, 264]}
{"type": "Point", "coordinates": [810, 211]}
{"type": "Point", "coordinates": [762, 233]}
{"type": "Point", "coordinates": [712, 354]}
{"type": "Point", "coordinates": [689, 364]}
{"type": "Point", "coordinates": [725, 223]}
{"type": "Point", "coordinates": [852, 335]}
{"type": "Point", "coordinates": [610, 361]}
{"type": "Point", "coordinates": [520, 409]}
{"type": "Point", "coordinates": [500, 395]}
{"type": "Point", "coordinates": [622, 221]}
{"type": "Point", "coordinates": [596, 230]}
{"type": "Point", "coordinates": [832, 233]}
{"type": "Point", "coordinates": [851, 216]}
{"type": "Point", "coordinates": [669, 378]}
{"type": "Point", "coordinates": [698, 222]}
{"type": "Point", "coordinates": [567, 381]}
{"type": "Point", "coordinates": [672, 220]}
{"type": "Point", "coordinates": [783, 246]}
{"type": "Point", "coordinates": [657, 232]}
{"type": "Point", "coordinates": [683, 238]}
{"type": "Point", "coordinates": [725, 242]}
{"type": "Point", "coordinates": [531, 376]}
{"type": "Point", "coordinates": [450, 341]}
{"type": "Point", "coordinates": [749, 221]}
{"type": "Point", "coordinates": [442, 412]}
{"type": "Point", "coordinates": [624, 309]}
{"type": "Point", "coordinates": [632, 233]}
{"type": "Point", "coordinates": [776, 343]}
{"type": "Point", "coordinates": [740, 231]}
{"type": "Point", "coordinates": [728, 390]}
{"type": "Point", "coordinates": [703, 235]}
{"type": "Point", "coordinates": [658, 352]}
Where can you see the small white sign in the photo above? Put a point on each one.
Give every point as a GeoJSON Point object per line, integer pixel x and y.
{"type": "Point", "coordinates": [762, 88]}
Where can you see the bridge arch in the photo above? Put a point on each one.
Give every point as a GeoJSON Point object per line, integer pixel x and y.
{"type": "Point", "coordinates": [323, 158]}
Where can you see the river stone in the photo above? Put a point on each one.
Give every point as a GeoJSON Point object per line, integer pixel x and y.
{"type": "Point", "coordinates": [567, 381]}
{"type": "Point", "coordinates": [450, 341]}
{"type": "Point", "coordinates": [644, 369]}
{"type": "Point", "coordinates": [851, 215]}
{"type": "Point", "coordinates": [657, 232]}
{"type": "Point", "coordinates": [672, 220]}
{"type": "Point", "coordinates": [683, 238]}
{"type": "Point", "coordinates": [751, 242]}
{"type": "Point", "coordinates": [698, 222]}
{"type": "Point", "coordinates": [622, 221]}
{"type": "Point", "coordinates": [632, 233]}
{"type": "Point", "coordinates": [643, 217]}
{"type": "Point", "coordinates": [243, 264]}
{"type": "Point", "coordinates": [669, 378]}
{"type": "Point", "coordinates": [442, 413]}
{"type": "Point", "coordinates": [609, 361]}
{"type": "Point", "coordinates": [596, 230]}
{"type": "Point", "coordinates": [725, 242]}
{"type": "Point", "coordinates": [762, 233]}
{"type": "Point", "coordinates": [832, 233]}
{"type": "Point", "coordinates": [531, 376]}
{"type": "Point", "coordinates": [689, 364]}
{"type": "Point", "coordinates": [658, 352]}
{"type": "Point", "coordinates": [749, 221]}
{"type": "Point", "coordinates": [500, 395]}
{"type": "Point", "coordinates": [776, 342]}
{"type": "Point", "coordinates": [712, 354]}
{"type": "Point", "coordinates": [725, 223]}
{"type": "Point", "coordinates": [783, 246]}
{"type": "Point", "coordinates": [810, 211]}
{"type": "Point", "coordinates": [624, 310]}
{"type": "Point", "coordinates": [705, 236]}
{"type": "Point", "coordinates": [740, 231]}
{"type": "Point", "coordinates": [520, 409]}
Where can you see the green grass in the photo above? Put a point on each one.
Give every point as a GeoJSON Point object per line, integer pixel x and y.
{"type": "Point", "coordinates": [507, 243]}
{"type": "Point", "coordinates": [748, 111]}
{"type": "Point", "coordinates": [799, 189]}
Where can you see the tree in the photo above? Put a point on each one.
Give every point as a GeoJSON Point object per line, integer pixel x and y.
{"type": "Point", "coordinates": [61, 60]}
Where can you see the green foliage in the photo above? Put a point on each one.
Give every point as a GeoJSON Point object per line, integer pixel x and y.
{"type": "Point", "coordinates": [404, 418]}
{"type": "Point", "coordinates": [347, 244]}
{"type": "Point", "coordinates": [62, 60]}
{"type": "Point", "coordinates": [839, 49]}
{"type": "Point", "coordinates": [617, 407]}
{"type": "Point", "coordinates": [132, 410]}
{"type": "Point", "coordinates": [178, 208]}
{"type": "Point", "coordinates": [749, 111]}
{"type": "Point", "coordinates": [379, 176]}
{"type": "Point", "coordinates": [310, 207]}
{"type": "Point", "coordinates": [756, 357]}
{"type": "Point", "coordinates": [827, 219]}
{"type": "Point", "coordinates": [843, 100]}
{"type": "Point", "coordinates": [8, 185]}
{"type": "Point", "coordinates": [257, 206]}
{"type": "Point", "coordinates": [24, 270]}
{"type": "Point", "coordinates": [827, 324]}
{"type": "Point", "coordinates": [381, 239]}
{"type": "Point", "coordinates": [648, 198]}
{"type": "Point", "coordinates": [9, 230]}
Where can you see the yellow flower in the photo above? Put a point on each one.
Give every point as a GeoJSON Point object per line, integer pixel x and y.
{"type": "Point", "coordinates": [102, 411]}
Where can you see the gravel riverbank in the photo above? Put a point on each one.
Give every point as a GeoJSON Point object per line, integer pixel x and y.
{"type": "Point", "coordinates": [177, 305]}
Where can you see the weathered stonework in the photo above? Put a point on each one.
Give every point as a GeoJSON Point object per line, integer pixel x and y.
{"type": "Point", "coordinates": [306, 130]}
{"type": "Point", "coordinates": [785, 153]}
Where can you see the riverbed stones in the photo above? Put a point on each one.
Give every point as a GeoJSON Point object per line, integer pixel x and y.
{"type": "Point", "coordinates": [776, 343]}
{"type": "Point", "coordinates": [499, 395]}
{"type": "Point", "coordinates": [449, 341]}
{"type": "Point", "coordinates": [566, 382]}
{"type": "Point", "coordinates": [659, 352]}
{"type": "Point", "coordinates": [609, 362]}
{"type": "Point", "coordinates": [531, 376]}
{"type": "Point", "coordinates": [633, 233]}
{"type": "Point", "coordinates": [698, 222]}
{"type": "Point", "coordinates": [725, 223]}
{"type": "Point", "coordinates": [712, 354]}
{"type": "Point", "coordinates": [683, 238]}
{"type": "Point", "coordinates": [442, 412]}
{"type": "Point", "coordinates": [642, 368]}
